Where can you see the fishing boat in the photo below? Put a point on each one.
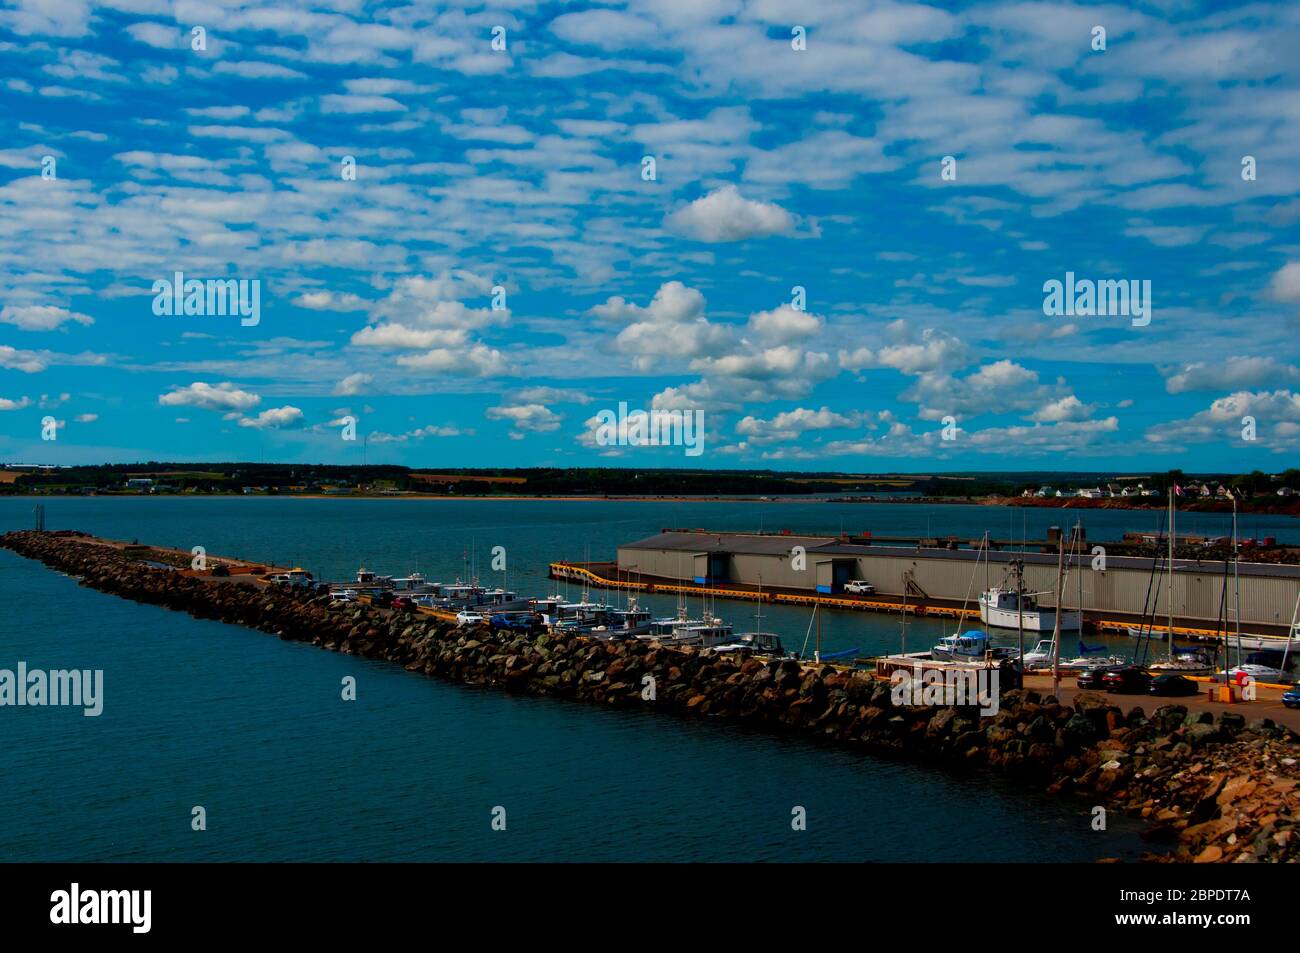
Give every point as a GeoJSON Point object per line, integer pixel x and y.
{"type": "Point", "coordinates": [369, 580]}
{"type": "Point", "coordinates": [627, 623]}
{"type": "Point", "coordinates": [969, 646]}
{"type": "Point", "coordinates": [972, 645]}
{"type": "Point", "coordinates": [705, 633]}
{"type": "Point", "coordinates": [560, 615]}
{"type": "Point", "coordinates": [415, 583]}
{"type": "Point", "coordinates": [1006, 608]}
{"type": "Point", "coordinates": [760, 643]}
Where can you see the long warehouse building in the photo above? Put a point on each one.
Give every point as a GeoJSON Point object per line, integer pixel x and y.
{"type": "Point", "coordinates": [823, 564]}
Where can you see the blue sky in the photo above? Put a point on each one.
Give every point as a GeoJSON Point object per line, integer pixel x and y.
{"type": "Point", "coordinates": [774, 168]}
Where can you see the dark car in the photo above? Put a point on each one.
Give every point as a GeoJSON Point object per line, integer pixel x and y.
{"type": "Point", "coordinates": [382, 599]}
{"type": "Point", "coordinates": [1129, 680]}
{"type": "Point", "coordinates": [404, 603]}
{"type": "Point", "coordinates": [1091, 678]}
{"type": "Point", "coordinates": [1173, 684]}
{"type": "Point", "coordinates": [1291, 697]}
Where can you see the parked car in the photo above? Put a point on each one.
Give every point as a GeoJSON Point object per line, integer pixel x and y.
{"type": "Point", "coordinates": [383, 599]}
{"type": "Point", "coordinates": [404, 603]}
{"type": "Point", "coordinates": [1091, 678]}
{"type": "Point", "coordinates": [860, 587]}
{"type": "Point", "coordinates": [1128, 680]}
{"type": "Point", "coordinates": [1173, 684]}
{"type": "Point", "coordinates": [468, 618]}
{"type": "Point", "coordinates": [1291, 697]}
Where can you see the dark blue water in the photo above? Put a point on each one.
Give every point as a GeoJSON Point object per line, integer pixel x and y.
{"type": "Point", "coordinates": [254, 729]}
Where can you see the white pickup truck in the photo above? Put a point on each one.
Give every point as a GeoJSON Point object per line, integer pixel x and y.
{"type": "Point", "coordinates": [860, 587]}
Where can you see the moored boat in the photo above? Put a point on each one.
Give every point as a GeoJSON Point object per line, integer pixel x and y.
{"type": "Point", "coordinates": [1009, 609]}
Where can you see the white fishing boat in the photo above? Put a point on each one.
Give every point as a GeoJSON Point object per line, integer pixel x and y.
{"type": "Point", "coordinates": [971, 646]}
{"type": "Point", "coordinates": [706, 633]}
{"type": "Point", "coordinates": [1007, 609]}
{"type": "Point", "coordinates": [628, 623]}
{"type": "Point", "coordinates": [369, 580]}
{"type": "Point", "coordinates": [414, 583]}
{"type": "Point", "coordinates": [760, 643]}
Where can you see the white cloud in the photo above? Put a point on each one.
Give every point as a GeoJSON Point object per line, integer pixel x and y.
{"type": "Point", "coordinates": [724, 215]}
{"type": "Point", "coordinates": [273, 417]}
{"type": "Point", "coordinates": [29, 362]}
{"type": "Point", "coordinates": [19, 404]}
{"type": "Point", "coordinates": [672, 325]}
{"type": "Point", "coordinates": [432, 430]}
{"type": "Point", "coordinates": [784, 325]}
{"type": "Point", "coordinates": [791, 424]}
{"type": "Point", "coordinates": [353, 384]}
{"type": "Point", "coordinates": [477, 361]}
{"type": "Point", "coordinates": [1286, 283]}
{"type": "Point", "coordinates": [1065, 408]}
{"type": "Point", "coordinates": [526, 418]}
{"type": "Point", "coordinates": [330, 301]}
{"type": "Point", "coordinates": [1235, 372]}
{"type": "Point", "coordinates": [225, 396]}
{"type": "Point", "coordinates": [41, 317]}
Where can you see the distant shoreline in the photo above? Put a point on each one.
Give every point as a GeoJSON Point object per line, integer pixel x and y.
{"type": "Point", "coordinates": [1289, 507]}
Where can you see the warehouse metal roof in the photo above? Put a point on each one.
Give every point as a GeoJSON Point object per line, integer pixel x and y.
{"type": "Point", "coordinates": [772, 544]}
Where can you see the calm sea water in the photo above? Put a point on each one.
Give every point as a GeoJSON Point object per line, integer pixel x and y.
{"type": "Point", "coordinates": [254, 730]}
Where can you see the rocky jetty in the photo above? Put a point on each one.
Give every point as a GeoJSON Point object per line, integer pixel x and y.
{"type": "Point", "coordinates": [1212, 789]}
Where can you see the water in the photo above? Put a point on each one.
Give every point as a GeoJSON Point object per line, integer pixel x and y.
{"type": "Point", "coordinates": [253, 729]}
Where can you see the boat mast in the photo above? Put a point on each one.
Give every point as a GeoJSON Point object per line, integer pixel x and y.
{"type": "Point", "coordinates": [1056, 615]}
{"type": "Point", "coordinates": [1236, 584]}
{"type": "Point", "coordinates": [986, 576]}
{"type": "Point", "coordinates": [817, 651]}
{"type": "Point", "coordinates": [1020, 610]}
{"type": "Point", "coordinates": [1289, 632]}
{"type": "Point", "coordinates": [1171, 572]}
{"type": "Point", "coordinates": [1078, 537]}
{"type": "Point", "coordinates": [904, 611]}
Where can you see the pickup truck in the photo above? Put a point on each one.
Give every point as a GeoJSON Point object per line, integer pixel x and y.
{"type": "Point", "coordinates": [860, 587]}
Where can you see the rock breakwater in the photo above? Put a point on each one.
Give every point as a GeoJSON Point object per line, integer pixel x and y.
{"type": "Point", "coordinates": [1211, 789]}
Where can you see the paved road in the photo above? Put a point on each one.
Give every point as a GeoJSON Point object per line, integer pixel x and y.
{"type": "Point", "coordinates": [1267, 705]}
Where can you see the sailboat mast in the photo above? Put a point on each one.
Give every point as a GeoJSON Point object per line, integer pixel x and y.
{"type": "Point", "coordinates": [1020, 611]}
{"type": "Point", "coordinates": [1171, 572]}
{"type": "Point", "coordinates": [1056, 615]}
{"type": "Point", "coordinates": [817, 652]}
{"type": "Point", "coordinates": [986, 575]}
{"type": "Point", "coordinates": [1236, 584]}
{"type": "Point", "coordinates": [1289, 632]}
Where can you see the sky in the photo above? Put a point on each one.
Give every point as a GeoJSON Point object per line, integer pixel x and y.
{"type": "Point", "coordinates": [825, 230]}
